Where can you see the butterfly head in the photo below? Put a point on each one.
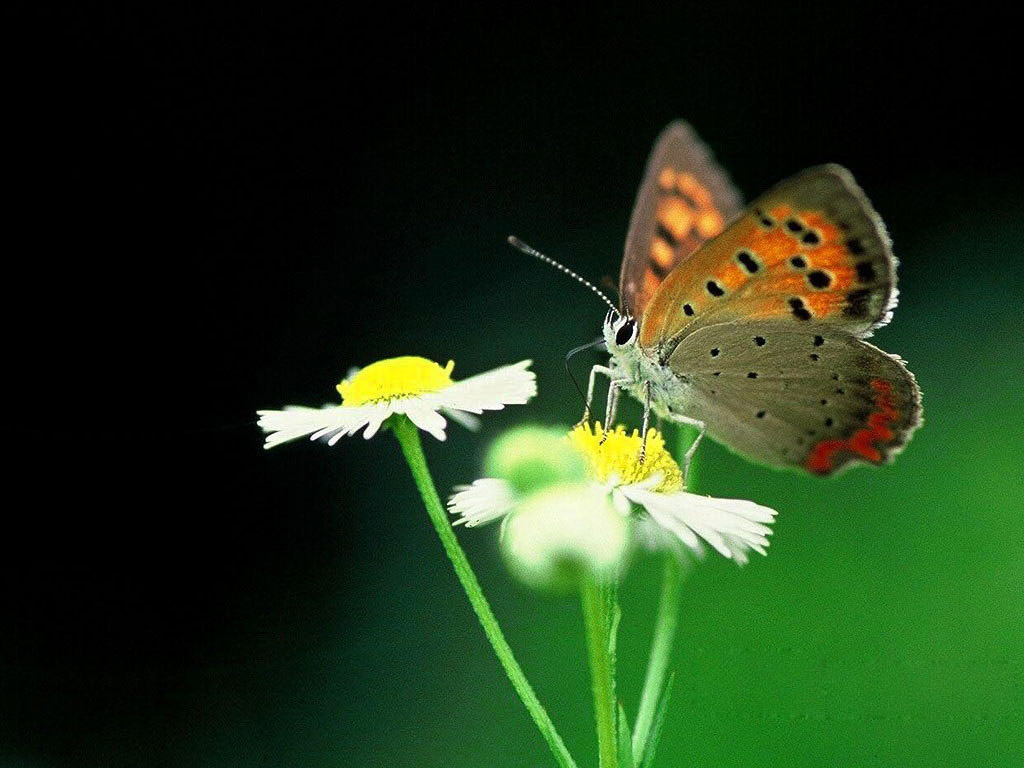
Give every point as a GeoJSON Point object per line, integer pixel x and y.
{"type": "Point", "coordinates": [620, 330]}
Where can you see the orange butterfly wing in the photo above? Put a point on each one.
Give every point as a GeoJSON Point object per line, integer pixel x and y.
{"type": "Point", "coordinates": [810, 252]}
{"type": "Point", "coordinates": [684, 200]}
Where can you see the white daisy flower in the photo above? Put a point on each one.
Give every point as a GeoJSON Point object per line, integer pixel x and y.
{"type": "Point", "coordinates": [413, 386]}
{"type": "Point", "coordinates": [651, 494]}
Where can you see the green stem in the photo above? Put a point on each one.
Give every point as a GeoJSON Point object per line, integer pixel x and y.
{"type": "Point", "coordinates": [661, 654]}
{"type": "Point", "coordinates": [602, 676]}
{"type": "Point", "coordinates": [409, 438]}
{"type": "Point", "coordinates": [665, 627]}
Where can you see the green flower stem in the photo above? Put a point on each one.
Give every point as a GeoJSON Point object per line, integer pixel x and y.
{"type": "Point", "coordinates": [602, 674]}
{"type": "Point", "coordinates": [409, 438]}
{"type": "Point", "coordinates": [665, 627]}
{"type": "Point", "coordinates": [661, 654]}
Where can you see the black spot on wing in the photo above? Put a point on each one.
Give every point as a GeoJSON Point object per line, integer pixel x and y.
{"type": "Point", "coordinates": [659, 270]}
{"type": "Point", "coordinates": [766, 221]}
{"type": "Point", "coordinates": [865, 272]}
{"type": "Point", "coordinates": [663, 232]}
{"type": "Point", "coordinates": [819, 279]}
{"type": "Point", "coordinates": [800, 312]}
{"type": "Point", "coordinates": [747, 261]}
{"type": "Point", "coordinates": [857, 303]}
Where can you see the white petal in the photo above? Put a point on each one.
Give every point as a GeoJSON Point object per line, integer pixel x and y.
{"type": "Point", "coordinates": [485, 501]}
{"type": "Point", "coordinates": [423, 414]}
{"type": "Point", "coordinates": [297, 421]}
{"type": "Point", "coordinates": [467, 420]}
{"type": "Point", "coordinates": [731, 526]}
{"type": "Point", "coordinates": [668, 521]}
{"type": "Point", "coordinates": [372, 426]}
{"type": "Point", "coordinates": [652, 536]}
{"type": "Point", "coordinates": [491, 391]}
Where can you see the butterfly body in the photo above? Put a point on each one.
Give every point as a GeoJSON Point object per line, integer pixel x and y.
{"type": "Point", "coordinates": [750, 324]}
{"type": "Point", "coordinates": [637, 369]}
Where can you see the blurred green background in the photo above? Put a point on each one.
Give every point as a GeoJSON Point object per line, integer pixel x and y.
{"type": "Point", "coordinates": [220, 213]}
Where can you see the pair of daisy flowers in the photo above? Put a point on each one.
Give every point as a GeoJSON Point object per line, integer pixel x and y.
{"type": "Point", "coordinates": [651, 494]}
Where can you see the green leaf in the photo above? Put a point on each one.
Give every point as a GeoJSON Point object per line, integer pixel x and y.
{"type": "Point", "coordinates": [659, 720]}
{"type": "Point", "coordinates": [625, 741]}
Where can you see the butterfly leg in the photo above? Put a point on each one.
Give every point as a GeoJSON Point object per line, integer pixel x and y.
{"type": "Point", "coordinates": [700, 425]}
{"type": "Point", "coordinates": [605, 371]}
{"type": "Point", "coordinates": [647, 419]}
{"type": "Point", "coordinates": [612, 405]}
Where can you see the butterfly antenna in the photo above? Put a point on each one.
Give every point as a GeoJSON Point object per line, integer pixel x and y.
{"type": "Point", "coordinates": [518, 244]}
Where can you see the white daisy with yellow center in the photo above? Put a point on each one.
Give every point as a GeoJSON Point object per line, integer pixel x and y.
{"type": "Point", "coordinates": [414, 386]}
{"type": "Point", "coordinates": [651, 494]}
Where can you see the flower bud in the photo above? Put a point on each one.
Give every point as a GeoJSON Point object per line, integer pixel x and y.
{"type": "Point", "coordinates": [563, 532]}
{"type": "Point", "coordinates": [531, 458]}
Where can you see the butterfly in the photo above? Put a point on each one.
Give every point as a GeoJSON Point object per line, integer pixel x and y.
{"type": "Point", "coordinates": [749, 323]}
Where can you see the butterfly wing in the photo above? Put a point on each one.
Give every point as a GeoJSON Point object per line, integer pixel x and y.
{"type": "Point", "coordinates": [792, 396]}
{"type": "Point", "coordinates": [685, 199]}
{"type": "Point", "coordinates": [810, 253]}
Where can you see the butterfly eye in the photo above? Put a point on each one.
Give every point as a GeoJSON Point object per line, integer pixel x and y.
{"type": "Point", "coordinates": [625, 333]}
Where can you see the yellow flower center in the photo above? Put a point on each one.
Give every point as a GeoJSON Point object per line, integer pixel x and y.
{"type": "Point", "coordinates": [619, 455]}
{"type": "Point", "coordinates": [395, 378]}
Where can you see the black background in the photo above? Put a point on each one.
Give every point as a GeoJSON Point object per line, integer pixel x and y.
{"type": "Point", "coordinates": [214, 211]}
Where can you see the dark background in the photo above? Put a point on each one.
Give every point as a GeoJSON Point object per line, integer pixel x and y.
{"type": "Point", "coordinates": [210, 212]}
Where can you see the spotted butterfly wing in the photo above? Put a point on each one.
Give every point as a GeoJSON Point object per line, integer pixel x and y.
{"type": "Point", "coordinates": [810, 253]}
{"type": "Point", "coordinates": [788, 395]}
{"type": "Point", "coordinates": [763, 325]}
{"type": "Point", "coordinates": [685, 199]}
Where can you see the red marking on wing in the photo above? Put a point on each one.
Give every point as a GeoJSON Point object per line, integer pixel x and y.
{"type": "Point", "coordinates": [822, 457]}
